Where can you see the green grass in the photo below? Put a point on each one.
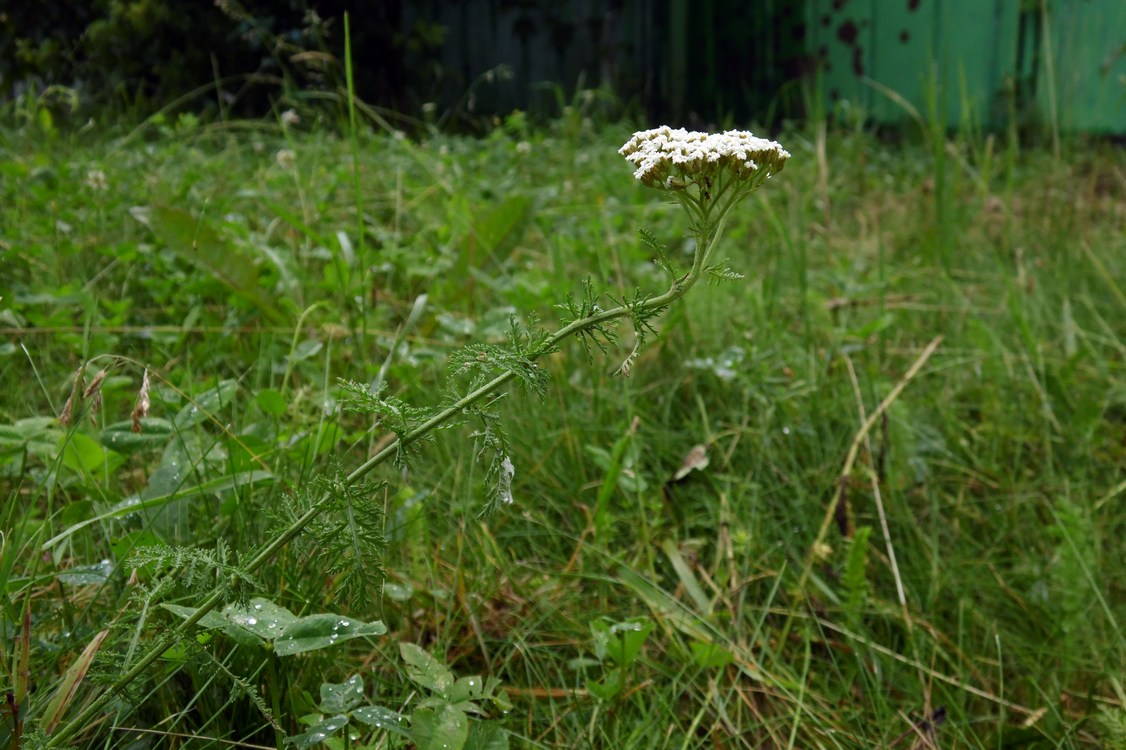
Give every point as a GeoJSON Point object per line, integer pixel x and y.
{"type": "Point", "coordinates": [999, 469]}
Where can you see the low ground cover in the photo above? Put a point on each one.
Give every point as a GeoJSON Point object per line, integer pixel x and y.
{"type": "Point", "coordinates": [867, 495]}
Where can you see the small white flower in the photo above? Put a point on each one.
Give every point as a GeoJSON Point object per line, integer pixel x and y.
{"type": "Point", "coordinates": [289, 118]}
{"type": "Point", "coordinates": [672, 158]}
{"type": "Point", "coordinates": [523, 148]}
{"type": "Point", "coordinates": [96, 180]}
{"type": "Point", "coordinates": [285, 158]}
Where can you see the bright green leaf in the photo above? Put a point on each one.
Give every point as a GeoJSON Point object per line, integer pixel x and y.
{"type": "Point", "coordinates": [121, 438]}
{"type": "Point", "coordinates": [336, 698]}
{"type": "Point", "coordinates": [424, 670]}
{"type": "Point", "coordinates": [321, 631]}
{"type": "Point", "coordinates": [447, 729]}
{"type": "Point", "coordinates": [710, 655]}
{"type": "Point", "coordinates": [84, 455]}
{"type": "Point", "coordinates": [318, 733]}
{"type": "Point", "coordinates": [206, 404]}
{"type": "Point", "coordinates": [382, 718]}
{"type": "Point", "coordinates": [271, 402]}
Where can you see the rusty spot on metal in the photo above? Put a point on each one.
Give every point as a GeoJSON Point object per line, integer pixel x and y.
{"type": "Point", "coordinates": [858, 61]}
{"type": "Point", "coordinates": [847, 33]}
{"type": "Point", "coordinates": [912, 5]}
{"type": "Point", "coordinates": [826, 20]}
{"type": "Point", "coordinates": [904, 36]}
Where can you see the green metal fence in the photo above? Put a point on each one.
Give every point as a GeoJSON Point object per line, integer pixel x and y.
{"type": "Point", "coordinates": [975, 62]}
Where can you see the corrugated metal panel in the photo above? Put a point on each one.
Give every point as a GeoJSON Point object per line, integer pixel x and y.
{"type": "Point", "coordinates": [970, 56]}
{"type": "Point", "coordinates": [1088, 66]}
{"type": "Point", "coordinates": [885, 54]}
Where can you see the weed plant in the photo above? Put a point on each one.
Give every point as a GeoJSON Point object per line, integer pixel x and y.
{"type": "Point", "coordinates": [866, 496]}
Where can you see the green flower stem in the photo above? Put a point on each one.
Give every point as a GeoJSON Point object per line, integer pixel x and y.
{"type": "Point", "coordinates": [706, 238]}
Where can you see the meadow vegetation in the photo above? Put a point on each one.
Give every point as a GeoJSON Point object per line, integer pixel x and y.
{"type": "Point", "coordinates": [868, 495]}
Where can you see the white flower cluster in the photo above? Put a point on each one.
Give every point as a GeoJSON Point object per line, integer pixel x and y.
{"type": "Point", "coordinates": [667, 157]}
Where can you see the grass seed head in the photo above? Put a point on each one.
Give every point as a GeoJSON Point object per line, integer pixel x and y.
{"type": "Point", "coordinates": [141, 408]}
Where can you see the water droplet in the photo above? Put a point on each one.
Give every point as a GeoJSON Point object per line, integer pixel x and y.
{"type": "Point", "coordinates": [271, 625]}
{"type": "Point", "coordinates": [252, 621]}
{"type": "Point", "coordinates": [345, 624]}
{"type": "Point", "coordinates": [785, 430]}
{"type": "Point", "coordinates": [258, 607]}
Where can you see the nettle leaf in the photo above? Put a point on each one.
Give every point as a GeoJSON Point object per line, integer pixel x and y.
{"type": "Point", "coordinates": [337, 698]}
{"type": "Point", "coordinates": [318, 733]}
{"type": "Point", "coordinates": [424, 670]}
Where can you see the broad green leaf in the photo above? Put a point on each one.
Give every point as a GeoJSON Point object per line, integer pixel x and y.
{"type": "Point", "coordinates": [136, 504]}
{"type": "Point", "coordinates": [261, 620]}
{"type": "Point", "coordinates": [271, 402]}
{"type": "Point", "coordinates": [205, 404]}
{"type": "Point", "coordinates": [84, 455]}
{"type": "Point", "coordinates": [630, 635]}
{"type": "Point", "coordinates": [710, 655]}
{"type": "Point", "coordinates": [86, 575]}
{"type": "Point", "coordinates": [261, 617]}
{"type": "Point", "coordinates": [382, 718]}
{"type": "Point", "coordinates": [25, 433]}
{"type": "Point", "coordinates": [121, 438]}
{"type": "Point", "coordinates": [496, 230]}
{"type": "Point", "coordinates": [609, 687]}
{"type": "Point", "coordinates": [337, 698]}
{"type": "Point", "coordinates": [289, 633]}
{"type": "Point", "coordinates": [446, 729]}
{"type": "Point", "coordinates": [467, 689]}
{"type": "Point", "coordinates": [196, 241]}
{"type": "Point", "coordinates": [306, 349]}
{"type": "Point", "coordinates": [484, 736]}
{"type": "Point", "coordinates": [424, 670]}
{"type": "Point", "coordinates": [620, 641]}
{"type": "Point", "coordinates": [318, 733]}
{"type": "Point", "coordinates": [321, 631]}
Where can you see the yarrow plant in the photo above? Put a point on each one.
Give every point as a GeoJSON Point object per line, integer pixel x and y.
{"type": "Point", "coordinates": [707, 174]}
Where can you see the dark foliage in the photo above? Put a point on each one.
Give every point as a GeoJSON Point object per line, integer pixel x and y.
{"type": "Point", "coordinates": [146, 54]}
